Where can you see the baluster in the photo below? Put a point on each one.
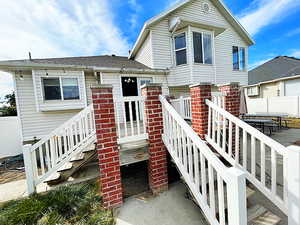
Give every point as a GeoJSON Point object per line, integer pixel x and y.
{"type": "Point", "coordinates": [42, 159]}
{"type": "Point", "coordinates": [203, 177]}
{"type": "Point", "coordinates": [52, 151]}
{"type": "Point", "coordinates": [263, 163]}
{"type": "Point", "coordinates": [209, 122]}
{"type": "Point", "coordinates": [65, 146]}
{"type": "Point", "coordinates": [48, 155]}
{"type": "Point", "coordinates": [221, 200]}
{"type": "Point", "coordinates": [179, 133]}
{"type": "Point", "coordinates": [224, 134]}
{"type": "Point", "coordinates": [214, 125]}
{"type": "Point", "coordinates": [184, 150]}
{"type": "Point", "coordinates": [211, 186]}
{"type": "Point", "coordinates": [237, 144]}
{"type": "Point", "coordinates": [190, 160]}
{"type": "Point", "coordinates": [230, 139]}
{"type": "Point", "coordinates": [86, 125]}
{"type": "Point", "coordinates": [253, 154]}
{"type": "Point", "coordinates": [131, 118]}
{"type": "Point", "coordinates": [143, 115]}
{"type": "Point", "coordinates": [196, 163]}
{"type": "Point", "coordinates": [245, 149]}
{"type": "Point", "coordinates": [274, 173]}
{"type": "Point", "coordinates": [80, 132]}
{"type": "Point", "coordinates": [34, 164]}
{"type": "Point", "coordinates": [59, 146]}
{"type": "Point", "coordinates": [124, 118]}
{"type": "Point", "coordinates": [137, 117]}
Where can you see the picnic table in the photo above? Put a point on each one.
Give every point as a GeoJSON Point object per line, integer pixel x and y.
{"type": "Point", "coordinates": [262, 123]}
{"type": "Point", "coordinates": [278, 116]}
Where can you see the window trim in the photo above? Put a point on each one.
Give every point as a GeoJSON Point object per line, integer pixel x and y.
{"type": "Point", "coordinates": [212, 47]}
{"type": "Point", "coordinates": [61, 88]}
{"type": "Point", "coordinates": [239, 60]}
{"type": "Point", "coordinates": [176, 50]}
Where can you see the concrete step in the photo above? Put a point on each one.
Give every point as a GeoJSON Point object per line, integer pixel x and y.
{"type": "Point", "coordinates": [77, 157]}
{"type": "Point", "coordinates": [65, 167]}
{"type": "Point", "coordinates": [89, 148]}
{"type": "Point", "coordinates": [255, 212]}
{"type": "Point", "coordinates": [134, 145]}
{"type": "Point", "coordinates": [262, 217]}
{"type": "Point", "coordinates": [54, 177]}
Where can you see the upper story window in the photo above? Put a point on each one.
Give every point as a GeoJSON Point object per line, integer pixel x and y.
{"type": "Point", "coordinates": [57, 88]}
{"type": "Point", "coordinates": [202, 48]}
{"type": "Point", "coordinates": [239, 58]}
{"type": "Point", "coordinates": [180, 49]}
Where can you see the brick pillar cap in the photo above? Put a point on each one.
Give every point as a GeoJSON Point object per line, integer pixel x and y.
{"type": "Point", "coordinates": [101, 86]}
{"type": "Point", "coordinates": [201, 84]}
{"type": "Point", "coordinates": [151, 85]}
{"type": "Point", "coordinates": [232, 84]}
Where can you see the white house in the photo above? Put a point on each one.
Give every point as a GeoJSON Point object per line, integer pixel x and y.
{"type": "Point", "coordinates": [194, 41]}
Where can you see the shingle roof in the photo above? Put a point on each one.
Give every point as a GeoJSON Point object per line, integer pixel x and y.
{"type": "Point", "coordinates": [279, 67]}
{"type": "Point", "coordinates": [93, 61]}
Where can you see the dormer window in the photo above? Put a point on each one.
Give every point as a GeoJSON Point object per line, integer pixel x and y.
{"type": "Point", "coordinates": [202, 48]}
{"type": "Point", "coordinates": [180, 49]}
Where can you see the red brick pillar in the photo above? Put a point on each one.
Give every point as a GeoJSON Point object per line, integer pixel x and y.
{"type": "Point", "coordinates": [232, 105]}
{"type": "Point", "coordinates": [158, 174]}
{"type": "Point", "coordinates": [199, 93]}
{"type": "Point", "coordinates": [232, 98]}
{"type": "Point", "coordinates": [107, 147]}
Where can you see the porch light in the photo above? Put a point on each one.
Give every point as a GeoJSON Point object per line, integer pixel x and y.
{"type": "Point", "coordinates": [129, 80]}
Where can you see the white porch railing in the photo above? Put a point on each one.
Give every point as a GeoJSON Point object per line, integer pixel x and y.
{"type": "Point", "coordinates": [54, 150]}
{"type": "Point", "coordinates": [262, 159]}
{"type": "Point", "coordinates": [218, 98]}
{"type": "Point", "coordinates": [199, 166]}
{"type": "Point", "coordinates": [183, 106]}
{"type": "Point", "coordinates": [130, 119]}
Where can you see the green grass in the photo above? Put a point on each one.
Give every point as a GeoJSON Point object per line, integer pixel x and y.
{"type": "Point", "coordinates": [76, 205]}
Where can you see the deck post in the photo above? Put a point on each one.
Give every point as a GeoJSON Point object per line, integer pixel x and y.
{"type": "Point", "coordinates": [28, 162]}
{"type": "Point", "coordinates": [293, 183]}
{"type": "Point", "coordinates": [232, 105]}
{"type": "Point", "coordinates": [107, 147]}
{"type": "Point", "coordinates": [236, 197]}
{"type": "Point", "coordinates": [199, 93]}
{"type": "Point", "coordinates": [158, 174]}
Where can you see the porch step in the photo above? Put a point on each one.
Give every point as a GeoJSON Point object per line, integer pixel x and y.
{"type": "Point", "coordinates": [69, 168]}
{"type": "Point", "coordinates": [134, 145]}
{"type": "Point", "coordinates": [133, 156]}
{"type": "Point", "coordinates": [258, 215]}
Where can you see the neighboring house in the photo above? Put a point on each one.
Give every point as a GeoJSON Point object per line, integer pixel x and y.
{"type": "Point", "coordinates": [278, 77]}
{"type": "Point", "coordinates": [195, 41]}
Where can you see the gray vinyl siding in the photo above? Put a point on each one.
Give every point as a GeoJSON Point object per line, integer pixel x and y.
{"type": "Point", "coordinates": [144, 55]}
{"type": "Point", "coordinates": [221, 72]}
{"type": "Point", "coordinates": [37, 124]}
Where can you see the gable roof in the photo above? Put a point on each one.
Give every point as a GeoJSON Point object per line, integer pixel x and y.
{"type": "Point", "coordinates": [220, 5]}
{"type": "Point", "coordinates": [104, 61]}
{"type": "Point", "coordinates": [279, 67]}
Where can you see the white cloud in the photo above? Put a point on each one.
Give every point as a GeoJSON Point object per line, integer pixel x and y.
{"type": "Point", "coordinates": [56, 29]}
{"type": "Point", "coordinates": [171, 3]}
{"type": "Point", "coordinates": [293, 32]}
{"type": "Point", "coordinates": [295, 53]}
{"type": "Point", "coordinates": [134, 17]}
{"type": "Point", "coordinates": [265, 12]}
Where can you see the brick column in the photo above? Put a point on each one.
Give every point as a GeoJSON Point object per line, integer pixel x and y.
{"type": "Point", "coordinates": [232, 98]}
{"type": "Point", "coordinates": [232, 105]}
{"type": "Point", "coordinates": [107, 147]}
{"type": "Point", "coordinates": [158, 174]}
{"type": "Point", "coordinates": [199, 93]}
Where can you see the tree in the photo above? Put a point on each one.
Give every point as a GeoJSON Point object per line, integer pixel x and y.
{"type": "Point", "coordinates": [11, 109]}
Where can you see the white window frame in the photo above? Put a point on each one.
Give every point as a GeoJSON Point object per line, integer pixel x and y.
{"type": "Point", "coordinates": [176, 50]}
{"type": "Point", "coordinates": [61, 88]}
{"type": "Point", "coordinates": [212, 46]}
{"type": "Point", "coordinates": [253, 91]}
{"type": "Point", "coordinates": [239, 60]}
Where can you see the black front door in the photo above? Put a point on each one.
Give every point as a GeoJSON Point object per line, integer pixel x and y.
{"type": "Point", "coordinates": [130, 88]}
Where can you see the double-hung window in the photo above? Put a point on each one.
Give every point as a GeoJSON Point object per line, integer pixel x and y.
{"type": "Point", "coordinates": [180, 49]}
{"type": "Point", "coordinates": [239, 58]}
{"type": "Point", "coordinates": [202, 48]}
{"type": "Point", "coordinates": [59, 88]}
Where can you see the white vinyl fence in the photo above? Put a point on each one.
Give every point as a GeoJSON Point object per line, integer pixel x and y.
{"type": "Point", "coordinates": [287, 105]}
{"type": "Point", "coordinates": [10, 137]}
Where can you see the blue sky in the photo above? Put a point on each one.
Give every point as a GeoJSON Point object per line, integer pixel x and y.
{"type": "Point", "coordinates": [93, 27]}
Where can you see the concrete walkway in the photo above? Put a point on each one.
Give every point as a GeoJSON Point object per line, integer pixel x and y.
{"type": "Point", "coordinates": [169, 208]}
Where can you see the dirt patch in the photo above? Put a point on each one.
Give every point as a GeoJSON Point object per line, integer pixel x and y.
{"type": "Point", "coordinates": [11, 169]}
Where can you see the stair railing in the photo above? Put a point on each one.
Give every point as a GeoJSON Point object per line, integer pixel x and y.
{"type": "Point", "coordinates": [183, 106]}
{"type": "Point", "coordinates": [246, 147]}
{"type": "Point", "coordinates": [200, 168]}
{"type": "Point", "coordinates": [46, 156]}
